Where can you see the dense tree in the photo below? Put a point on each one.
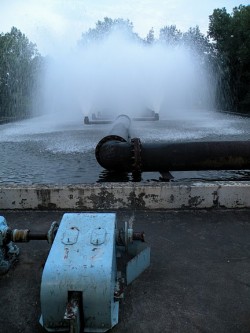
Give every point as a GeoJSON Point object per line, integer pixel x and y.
{"type": "Point", "coordinates": [194, 39]}
{"type": "Point", "coordinates": [226, 50]}
{"type": "Point", "coordinates": [104, 28]}
{"type": "Point", "coordinates": [150, 38]}
{"type": "Point", "coordinates": [170, 35]}
{"type": "Point", "coordinates": [19, 62]}
{"type": "Point", "coordinates": [231, 33]}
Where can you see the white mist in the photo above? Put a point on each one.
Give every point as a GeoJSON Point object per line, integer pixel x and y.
{"type": "Point", "coordinates": [121, 75]}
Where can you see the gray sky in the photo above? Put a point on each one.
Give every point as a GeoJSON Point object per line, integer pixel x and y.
{"type": "Point", "coordinates": [56, 25]}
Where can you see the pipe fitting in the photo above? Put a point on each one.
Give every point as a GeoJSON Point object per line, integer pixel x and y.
{"type": "Point", "coordinates": [119, 133]}
{"type": "Point", "coordinates": [20, 236]}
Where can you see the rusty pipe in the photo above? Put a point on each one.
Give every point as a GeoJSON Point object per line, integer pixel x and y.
{"type": "Point", "coordinates": [25, 235]}
{"type": "Point", "coordinates": [139, 235]}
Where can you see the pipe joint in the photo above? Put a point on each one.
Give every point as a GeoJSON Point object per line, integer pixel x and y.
{"type": "Point", "coordinates": [136, 156]}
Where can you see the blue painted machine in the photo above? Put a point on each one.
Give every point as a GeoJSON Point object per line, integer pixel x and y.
{"type": "Point", "coordinates": [80, 284]}
{"type": "Point", "coordinates": [81, 268]}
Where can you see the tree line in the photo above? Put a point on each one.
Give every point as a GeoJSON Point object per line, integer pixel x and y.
{"type": "Point", "coordinates": [20, 64]}
{"type": "Point", "coordinates": [226, 47]}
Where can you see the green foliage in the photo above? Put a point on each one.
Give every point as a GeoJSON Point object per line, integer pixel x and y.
{"type": "Point", "coordinates": [196, 40]}
{"type": "Point", "coordinates": [231, 32]}
{"type": "Point", "coordinates": [193, 39]}
{"type": "Point", "coordinates": [170, 35]}
{"type": "Point", "coordinates": [105, 28]}
{"type": "Point", "coordinates": [150, 39]}
{"type": "Point", "coordinates": [19, 61]}
{"type": "Point", "coordinates": [226, 49]}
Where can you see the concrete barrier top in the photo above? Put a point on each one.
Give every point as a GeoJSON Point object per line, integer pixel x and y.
{"type": "Point", "coordinates": [113, 196]}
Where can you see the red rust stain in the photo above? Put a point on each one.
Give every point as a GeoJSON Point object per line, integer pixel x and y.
{"type": "Point", "coordinates": [66, 253]}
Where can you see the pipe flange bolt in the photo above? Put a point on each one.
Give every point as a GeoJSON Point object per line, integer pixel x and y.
{"type": "Point", "coordinates": [136, 156]}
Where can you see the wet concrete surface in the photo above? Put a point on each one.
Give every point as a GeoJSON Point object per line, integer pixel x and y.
{"type": "Point", "coordinates": [198, 280]}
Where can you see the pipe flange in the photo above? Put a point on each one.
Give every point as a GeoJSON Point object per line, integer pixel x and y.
{"type": "Point", "coordinates": [136, 156]}
{"type": "Point", "coordinates": [52, 232]}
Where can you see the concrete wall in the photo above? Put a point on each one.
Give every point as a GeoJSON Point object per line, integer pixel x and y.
{"type": "Point", "coordinates": [112, 196]}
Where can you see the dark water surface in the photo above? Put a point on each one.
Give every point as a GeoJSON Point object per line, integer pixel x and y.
{"type": "Point", "coordinates": [51, 150]}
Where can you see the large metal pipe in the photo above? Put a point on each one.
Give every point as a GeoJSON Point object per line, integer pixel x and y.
{"type": "Point", "coordinates": [219, 155]}
{"type": "Point", "coordinates": [120, 132]}
{"type": "Point", "coordinates": [118, 153]}
{"type": "Point", "coordinates": [183, 156]}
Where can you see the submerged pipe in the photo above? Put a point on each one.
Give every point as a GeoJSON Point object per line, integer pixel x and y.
{"type": "Point", "coordinates": [151, 116]}
{"type": "Point", "coordinates": [96, 122]}
{"type": "Point", "coordinates": [116, 152]}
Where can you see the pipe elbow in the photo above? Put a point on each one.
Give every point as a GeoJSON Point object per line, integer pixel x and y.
{"type": "Point", "coordinates": [114, 155]}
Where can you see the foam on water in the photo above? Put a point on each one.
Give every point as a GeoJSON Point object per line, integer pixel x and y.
{"type": "Point", "coordinates": [54, 135]}
{"type": "Point", "coordinates": [64, 154]}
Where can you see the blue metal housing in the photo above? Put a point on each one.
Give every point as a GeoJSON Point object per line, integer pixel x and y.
{"type": "Point", "coordinates": [82, 259]}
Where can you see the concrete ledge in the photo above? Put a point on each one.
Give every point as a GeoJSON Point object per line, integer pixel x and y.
{"type": "Point", "coordinates": [113, 196]}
